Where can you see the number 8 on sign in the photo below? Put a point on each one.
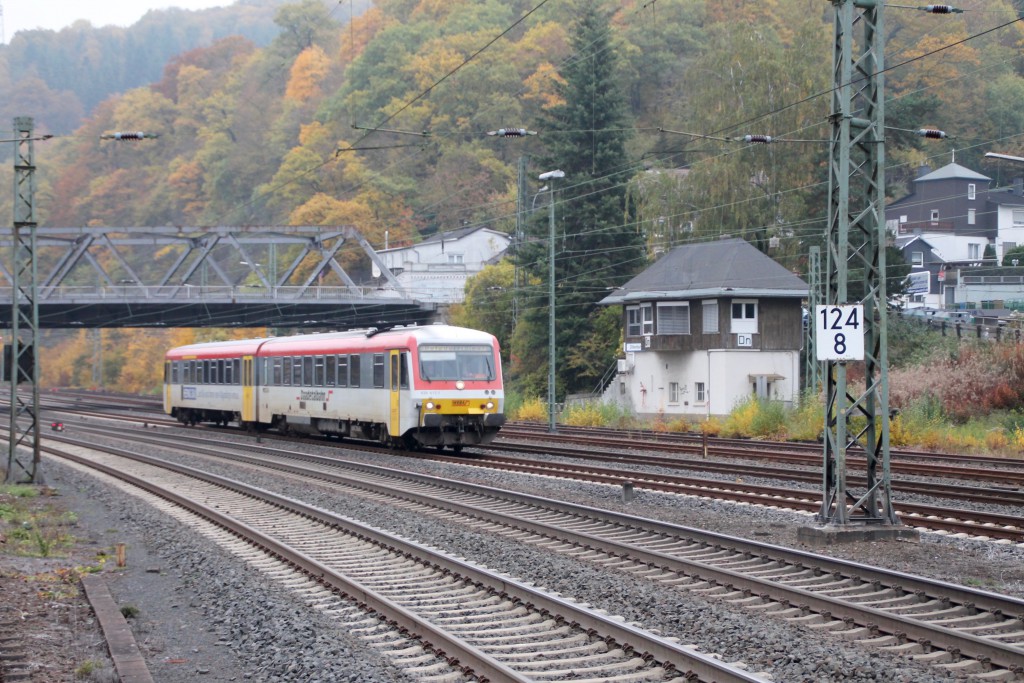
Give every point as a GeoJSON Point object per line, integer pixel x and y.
{"type": "Point", "coordinates": [839, 332]}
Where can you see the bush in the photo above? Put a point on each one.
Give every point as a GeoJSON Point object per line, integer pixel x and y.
{"type": "Point", "coordinates": [530, 410]}
{"type": "Point", "coordinates": [770, 420]}
{"type": "Point", "coordinates": [587, 415]}
{"type": "Point", "coordinates": [740, 421]}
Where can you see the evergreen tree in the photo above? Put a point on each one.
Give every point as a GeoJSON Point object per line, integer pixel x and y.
{"type": "Point", "coordinates": [586, 138]}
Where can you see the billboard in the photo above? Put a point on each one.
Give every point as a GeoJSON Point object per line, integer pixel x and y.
{"type": "Point", "coordinates": [919, 282]}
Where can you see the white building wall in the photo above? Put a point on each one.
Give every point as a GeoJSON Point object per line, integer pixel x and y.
{"type": "Point", "coordinates": [724, 373]}
{"type": "Point", "coordinates": [432, 272]}
{"type": "Point", "coordinates": [1007, 231]}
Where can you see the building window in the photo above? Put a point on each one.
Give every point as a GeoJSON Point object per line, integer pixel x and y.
{"type": "Point", "coordinates": [647, 316]}
{"type": "Point", "coordinates": [674, 318]}
{"type": "Point", "coordinates": [744, 316]}
{"type": "Point", "coordinates": [633, 321]}
{"type": "Point", "coordinates": [673, 392]}
{"type": "Point", "coordinates": [454, 258]}
{"type": "Point", "coordinates": [1018, 217]}
{"type": "Point", "coordinates": [917, 258]}
{"type": "Point", "coordinates": [709, 309]}
{"type": "Point", "coordinates": [935, 215]}
{"type": "Point", "coordinates": [698, 393]}
{"type": "Point", "coordinates": [973, 251]}
{"type": "Point", "coordinates": [970, 217]}
{"type": "Point", "coordinates": [971, 191]}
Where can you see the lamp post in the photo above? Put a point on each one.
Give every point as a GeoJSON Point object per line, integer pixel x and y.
{"type": "Point", "coordinates": [551, 176]}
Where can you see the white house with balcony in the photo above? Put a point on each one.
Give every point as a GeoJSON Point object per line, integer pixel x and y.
{"type": "Point", "coordinates": [437, 268]}
{"type": "Point", "coordinates": [707, 326]}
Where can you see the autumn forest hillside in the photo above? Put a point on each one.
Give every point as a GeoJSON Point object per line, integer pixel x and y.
{"type": "Point", "coordinates": [377, 117]}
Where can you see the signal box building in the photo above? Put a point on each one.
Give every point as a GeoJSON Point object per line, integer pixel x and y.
{"type": "Point", "coordinates": [707, 326]}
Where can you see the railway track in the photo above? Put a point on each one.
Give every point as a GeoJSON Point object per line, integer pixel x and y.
{"type": "Point", "coordinates": [1004, 471]}
{"type": "Point", "coordinates": [959, 629]}
{"type": "Point", "coordinates": [1007, 527]}
{"type": "Point", "coordinates": [433, 613]}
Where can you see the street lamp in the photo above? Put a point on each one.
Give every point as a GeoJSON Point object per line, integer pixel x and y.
{"type": "Point", "coordinates": [551, 176]}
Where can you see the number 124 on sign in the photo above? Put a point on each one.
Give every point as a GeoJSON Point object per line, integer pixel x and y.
{"type": "Point", "coordinates": [839, 332]}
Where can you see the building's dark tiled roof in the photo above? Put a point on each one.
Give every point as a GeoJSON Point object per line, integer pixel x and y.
{"type": "Point", "coordinates": [952, 171]}
{"type": "Point", "coordinates": [731, 267]}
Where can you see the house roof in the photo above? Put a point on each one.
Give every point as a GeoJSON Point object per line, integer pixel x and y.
{"type": "Point", "coordinates": [448, 236]}
{"type": "Point", "coordinates": [457, 234]}
{"type": "Point", "coordinates": [731, 267]}
{"type": "Point", "coordinates": [952, 171]}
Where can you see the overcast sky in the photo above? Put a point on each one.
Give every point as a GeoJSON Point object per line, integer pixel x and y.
{"type": "Point", "coordinates": [22, 15]}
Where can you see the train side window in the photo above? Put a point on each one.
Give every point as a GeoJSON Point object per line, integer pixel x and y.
{"type": "Point", "coordinates": [307, 371]}
{"type": "Point", "coordinates": [342, 371]}
{"type": "Point", "coordinates": [235, 371]}
{"type": "Point", "coordinates": [318, 371]}
{"type": "Point", "coordinates": [175, 371]}
{"type": "Point", "coordinates": [378, 370]}
{"type": "Point", "coordinates": [275, 378]}
{"type": "Point", "coordinates": [287, 374]}
{"type": "Point", "coordinates": [216, 371]}
{"type": "Point", "coordinates": [330, 370]}
{"type": "Point", "coordinates": [355, 370]}
{"type": "Point", "coordinates": [297, 371]}
{"type": "Point", "coordinates": [204, 371]}
{"type": "Point", "coordinates": [403, 365]}
{"type": "Point", "coordinates": [395, 360]}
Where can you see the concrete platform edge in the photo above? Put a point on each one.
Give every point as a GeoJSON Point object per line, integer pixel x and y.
{"type": "Point", "coordinates": [128, 661]}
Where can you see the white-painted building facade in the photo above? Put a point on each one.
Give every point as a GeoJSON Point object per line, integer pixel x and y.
{"type": "Point", "coordinates": [706, 327]}
{"type": "Point", "coordinates": [437, 268]}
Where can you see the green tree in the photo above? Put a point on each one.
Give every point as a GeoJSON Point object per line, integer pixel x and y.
{"type": "Point", "coordinates": [489, 304]}
{"type": "Point", "coordinates": [594, 246]}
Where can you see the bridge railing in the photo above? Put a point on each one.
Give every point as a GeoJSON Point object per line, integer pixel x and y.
{"type": "Point", "coordinates": [218, 293]}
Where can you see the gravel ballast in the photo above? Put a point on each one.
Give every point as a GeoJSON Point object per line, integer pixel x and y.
{"type": "Point", "coordinates": [204, 612]}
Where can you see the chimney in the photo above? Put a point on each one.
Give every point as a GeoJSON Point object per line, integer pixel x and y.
{"type": "Point", "coordinates": [923, 170]}
{"type": "Point", "coordinates": [1018, 186]}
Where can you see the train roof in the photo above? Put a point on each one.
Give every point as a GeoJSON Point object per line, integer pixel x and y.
{"type": "Point", "coordinates": [219, 349]}
{"type": "Point", "coordinates": [367, 340]}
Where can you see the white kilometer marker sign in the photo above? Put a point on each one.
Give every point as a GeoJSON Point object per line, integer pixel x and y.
{"type": "Point", "coordinates": [839, 332]}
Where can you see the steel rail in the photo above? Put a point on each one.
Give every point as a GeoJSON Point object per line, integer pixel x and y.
{"type": "Point", "coordinates": [649, 646]}
{"type": "Point", "coordinates": [1003, 655]}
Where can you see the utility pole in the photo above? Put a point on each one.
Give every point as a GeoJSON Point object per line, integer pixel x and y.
{"type": "Point", "coordinates": [551, 176]}
{"type": "Point", "coordinates": [517, 242]}
{"type": "Point", "coordinates": [24, 427]}
{"type": "Point", "coordinates": [856, 252]}
{"type": "Point", "coordinates": [812, 366]}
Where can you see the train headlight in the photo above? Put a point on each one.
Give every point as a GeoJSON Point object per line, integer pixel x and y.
{"type": "Point", "coordinates": [429, 405]}
{"type": "Point", "coordinates": [460, 385]}
{"type": "Point", "coordinates": [490, 405]}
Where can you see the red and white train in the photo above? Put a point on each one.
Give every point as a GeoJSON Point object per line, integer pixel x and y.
{"type": "Point", "coordinates": [435, 385]}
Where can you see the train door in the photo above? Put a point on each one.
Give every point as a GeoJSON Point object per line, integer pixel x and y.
{"type": "Point", "coordinates": [167, 387]}
{"type": "Point", "coordinates": [248, 393]}
{"type": "Point", "coordinates": [394, 382]}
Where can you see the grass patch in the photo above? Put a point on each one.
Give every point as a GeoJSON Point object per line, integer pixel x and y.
{"type": "Point", "coordinates": [33, 528]}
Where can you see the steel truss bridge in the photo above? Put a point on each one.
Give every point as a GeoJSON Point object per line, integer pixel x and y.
{"type": "Point", "coordinates": [93, 277]}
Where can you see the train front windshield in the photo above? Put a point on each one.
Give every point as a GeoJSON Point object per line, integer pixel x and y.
{"type": "Point", "coordinates": [451, 362]}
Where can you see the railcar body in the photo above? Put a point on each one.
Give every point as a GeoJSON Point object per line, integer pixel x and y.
{"type": "Point", "coordinates": [435, 385]}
